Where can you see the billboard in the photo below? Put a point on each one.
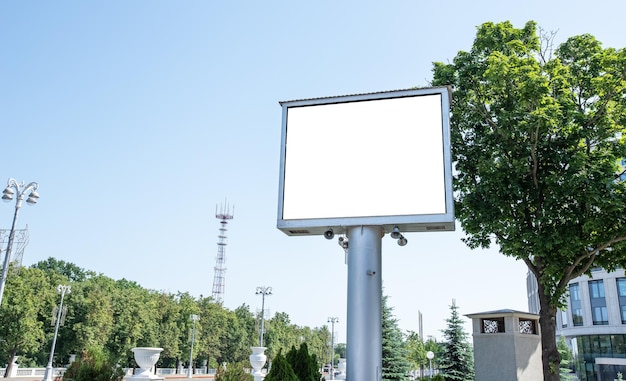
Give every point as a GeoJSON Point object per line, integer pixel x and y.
{"type": "Point", "coordinates": [370, 159]}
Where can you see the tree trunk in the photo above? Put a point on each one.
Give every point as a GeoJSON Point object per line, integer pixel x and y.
{"type": "Point", "coordinates": [549, 353]}
{"type": "Point", "coordinates": [9, 368]}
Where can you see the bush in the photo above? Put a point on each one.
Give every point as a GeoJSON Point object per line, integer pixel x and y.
{"type": "Point", "coordinates": [94, 365]}
{"type": "Point", "coordinates": [233, 372]}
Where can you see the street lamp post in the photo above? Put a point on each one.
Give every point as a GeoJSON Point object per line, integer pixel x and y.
{"type": "Point", "coordinates": [263, 291]}
{"type": "Point", "coordinates": [17, 190]}
{"type": "Point", "coordinates": [430, 355]}
{"type": "Point", "coordinates": [62, 290]}
{"type": "Point", "coordinates": [194, 318]}
{"type": "Point", "coordinates": [332, 321]}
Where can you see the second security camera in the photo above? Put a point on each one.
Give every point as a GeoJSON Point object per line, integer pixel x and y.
{"type": "Point", "coordinates": [329, 234]}
{"type": "Point", "coordinates": [395, 233]}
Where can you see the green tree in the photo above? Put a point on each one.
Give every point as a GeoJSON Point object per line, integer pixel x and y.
{"type": "Point", "coordinates": [537, 138]}
{"type": "Point", "coordinates": [431, 345]}
{"type": "Point", "coordinates": [281, 370]}
{"type": "Point", "coordinates": [167, 312]}
{"type": "Point", "coordinates": [566, 359]}
{"type": "Point", "coordinates": [395, 365]}
{"type": "Point", "coordinates": [304, 365]}
{"type": "Point", "coordinates": [280, 334]}
{"type": "Point", "coordinates": [456, 362]}
{"type": "Point", "coordinates": [90, 315]}
{"type": "Point", "coordinates": [66, 269]}
{"type": "Point", "coordinates": [215, 320]}
{"type": "Point", "coordinates": [317, 340]}
{"type": "Point", "coordinates": [109, 317]}
{"type": "Point", "coordinates": [135, 323]}
{"type": "Point", "coordinates": [416, 351]}
{"type": "Point", "coordinates": [242, 335]}
{"type": "Point", "coordinates": [28, 302]}
{"type": "Point", "coordinates": [340, 350]}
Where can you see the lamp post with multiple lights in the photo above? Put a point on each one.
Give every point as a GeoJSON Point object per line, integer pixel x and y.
{"type": "Point", "coordinates": [263, 291]}
{"type": "Point", "coordinates": [17, 191]}
{"type": "Point", "coordinates": [332, 321]}
{"type": "Point", "coordinates": [194, 318]}
{"type": "Point", "coordinates": [61, 289]}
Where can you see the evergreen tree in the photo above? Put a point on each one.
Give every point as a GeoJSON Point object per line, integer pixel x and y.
{"type": "Point", "coordinates": [281, 370]}
{"type": "Point", "coordinates": [456, 361]}
{"type": "Point", "coordinates": [303, 364]}
{"type": "Point", "coordinates": [291, 358]}
{"type": "Point", "coordinates": [395, 364]}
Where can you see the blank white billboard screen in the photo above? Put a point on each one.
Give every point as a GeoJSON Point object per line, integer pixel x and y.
{"type": "Point", "coordinates": [380, 157]}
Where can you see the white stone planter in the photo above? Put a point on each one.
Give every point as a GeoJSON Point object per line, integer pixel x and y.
{"type": "Point", "coordinates": [342, 369]}
{"type": "Point", "coordinates": [146, 358]}
{"type": "Point", "coordinates": [257, 360]}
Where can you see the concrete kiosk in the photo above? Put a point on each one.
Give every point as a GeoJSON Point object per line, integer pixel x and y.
{"type": "Point", "coordinates": [507, 346]}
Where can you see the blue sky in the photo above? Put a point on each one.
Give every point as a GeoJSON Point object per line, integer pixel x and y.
{"type": "Point", "coordinates": [138, 117]}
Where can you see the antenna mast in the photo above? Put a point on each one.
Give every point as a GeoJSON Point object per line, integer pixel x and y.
{"type": "Point", "coordinates": [223, 215]}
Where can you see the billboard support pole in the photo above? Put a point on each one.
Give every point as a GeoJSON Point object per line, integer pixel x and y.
{"type": "Point", "coordinates": [364, 319]}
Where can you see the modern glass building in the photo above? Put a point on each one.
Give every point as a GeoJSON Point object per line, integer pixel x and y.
{"type": "Point", "coordinates": [593, 323]}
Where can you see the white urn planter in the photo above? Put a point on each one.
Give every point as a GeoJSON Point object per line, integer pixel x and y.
{"type": "Point", "coordinates": [257, 360]}
{"type": "Point", "coordinates": [146, 358]}
{"type": "Point", "coordinates": [342, 369]}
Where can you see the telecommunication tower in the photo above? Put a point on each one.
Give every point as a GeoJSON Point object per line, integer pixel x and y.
{"type": "Point", "coordinates": [223, 215]}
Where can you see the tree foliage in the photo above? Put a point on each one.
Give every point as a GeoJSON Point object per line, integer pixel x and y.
{"type": "Point", "coordinates": [537, 140]}
{"type": "Point", "coordinates": [234, 372]}
{"type": "Point", "coordinates": [415, 350]}
{"type": "Point", "coordinates": [394, 354]}
{"type": "Point", "coordinates": [456, 362]}
{"type": "Point", "coordinates": [94, 365]}
{"type": "Point", "coordinates": [304, 365]}
{"type": "Point", "coordinates": [106, 316]}
{"type": "Point", "coordinates": [281, 370]}
{"type": "Point", "coordinates": [26, 312]}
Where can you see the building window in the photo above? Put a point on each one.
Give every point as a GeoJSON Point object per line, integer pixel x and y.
{"type": "Point", "coordinates": [621, 294]}
{"type": "Point", "coordinates": [576, 305]}
{"type": "Point", "coordinates": [600, 316]}
{"type": "Point", "coordinates": [598, 303]}
{"type": "Point", "coordinates": [577, 316]}
{"type": "Point", "coordinates": [493, 325]}
{"type": "Point", "coordinates": [596, 289]}
{"type": "Point", "coordinates": [563, 318]}
{"type": "Point", "coordinates": [617, 344]}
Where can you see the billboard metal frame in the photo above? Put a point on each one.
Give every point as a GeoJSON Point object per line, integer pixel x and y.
{"type": "Point", "coordinates": [406, 222]}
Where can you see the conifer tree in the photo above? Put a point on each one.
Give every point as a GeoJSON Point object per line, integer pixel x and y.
{"type": "Point", "coordinates": [281, 370]}
{"type": "Point", "coordinates": [304, 365]}
{"type": "Point", "coordinates": [394, 355]}
{"type": "Point", "coordinates": [456, 361]}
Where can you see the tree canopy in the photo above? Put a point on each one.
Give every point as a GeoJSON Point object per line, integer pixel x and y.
{"type": "Point", "coordinates": [537, 142]}
{"type": "Point", "coordinates": [110, 317]}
